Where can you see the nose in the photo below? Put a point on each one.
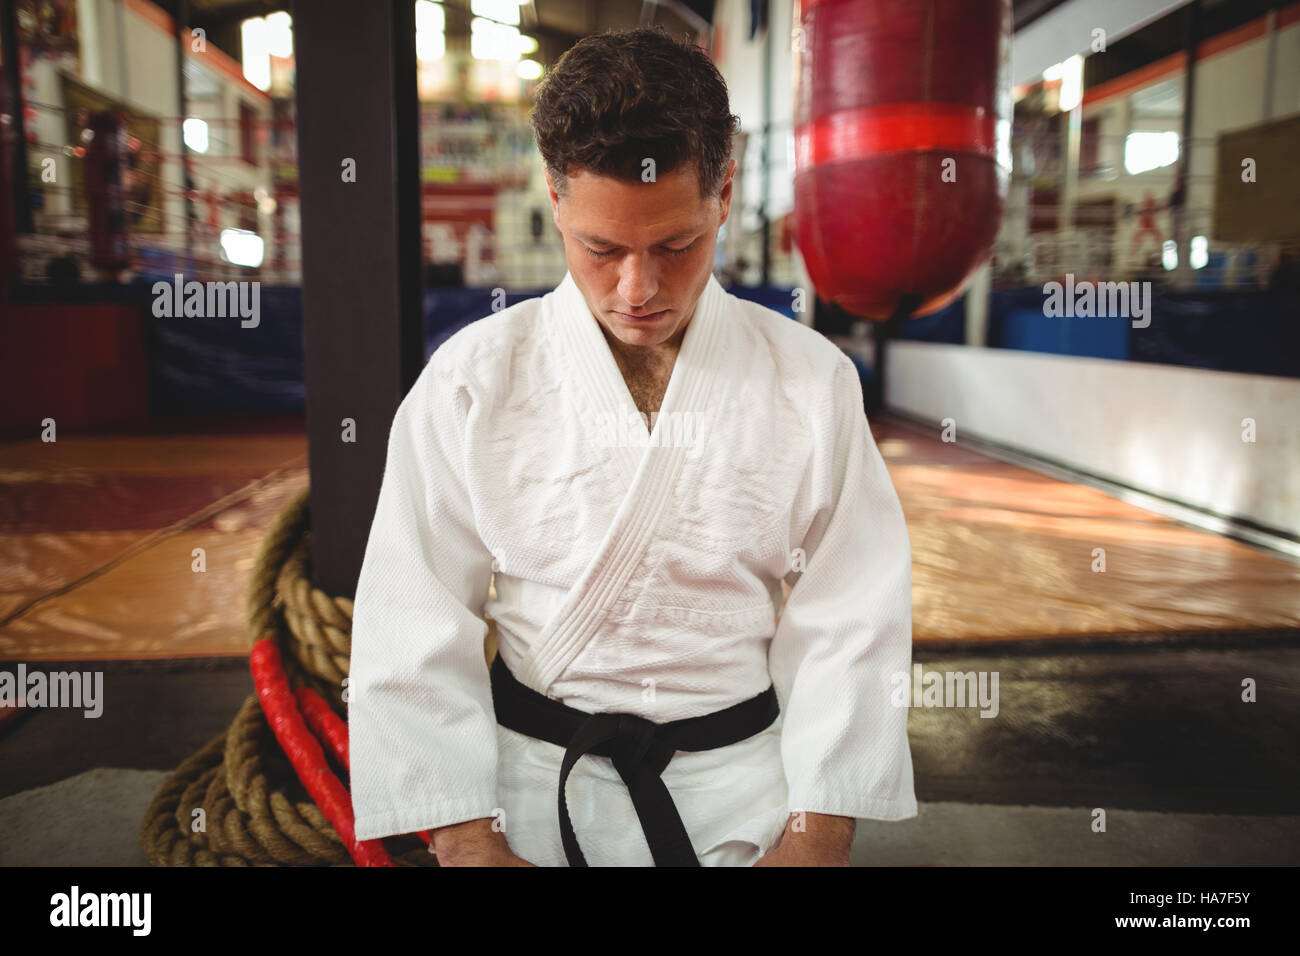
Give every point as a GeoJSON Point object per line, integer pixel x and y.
{"type": "Point", "coordinates": [637, 283]}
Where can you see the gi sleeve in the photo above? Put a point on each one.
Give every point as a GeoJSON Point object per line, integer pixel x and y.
{"type": "Point", "coordinates": [422, 731]}
{"type": "Point", "coordinates": [846, 632]}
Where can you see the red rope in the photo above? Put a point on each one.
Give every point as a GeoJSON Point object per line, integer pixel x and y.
{"type": "Point", "coordinates": [325, 724]}
{"type": "Point", "coordinates": [305, 753]}
{"type": "Point", "coordinates": [329, 727]}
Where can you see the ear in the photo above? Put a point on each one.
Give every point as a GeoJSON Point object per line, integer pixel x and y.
{"type": "Point", "coordinates": [725, 196]}
{"type": "Point", "coordinates": [554, 197]}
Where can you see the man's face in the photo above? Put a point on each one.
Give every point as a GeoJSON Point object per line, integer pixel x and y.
{"type": "Point", "coordinates": [641, 253]}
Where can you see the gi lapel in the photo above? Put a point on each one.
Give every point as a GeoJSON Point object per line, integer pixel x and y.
{"type": "Point", "coordinates": [650, 472]}
{"type": "Point", "coordinates": [586, 353]}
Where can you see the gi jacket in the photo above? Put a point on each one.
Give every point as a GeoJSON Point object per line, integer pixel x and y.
{"type": "Point", "coordinates": [634, 572]}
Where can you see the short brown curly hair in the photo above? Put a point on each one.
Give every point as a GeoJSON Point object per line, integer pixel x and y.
{"type": "Point", "coordinates": [616, 99]}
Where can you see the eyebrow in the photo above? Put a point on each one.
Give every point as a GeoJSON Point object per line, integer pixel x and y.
{"type": "Point", "coordinates": [599, 241]}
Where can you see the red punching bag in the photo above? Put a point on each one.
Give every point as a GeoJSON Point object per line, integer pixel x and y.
{"type": "Point", "coordinates": [902, 148]}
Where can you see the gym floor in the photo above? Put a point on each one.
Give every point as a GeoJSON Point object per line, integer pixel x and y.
{"type": "Point", "coordinates": [1119, 689]}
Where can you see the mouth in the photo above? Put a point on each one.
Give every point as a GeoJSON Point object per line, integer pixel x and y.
{"type": "Point", "coordinates": [642, 317]}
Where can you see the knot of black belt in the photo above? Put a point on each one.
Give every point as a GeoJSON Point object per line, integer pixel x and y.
{"type": "Point", "coordinates": [639, 748]}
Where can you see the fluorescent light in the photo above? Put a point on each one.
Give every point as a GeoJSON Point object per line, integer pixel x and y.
{"type": "Point", "coordinates": [279, 34]}
{"type": "Point", "coordinates": [257, 52]}
{"type": "Point", "coordinates": [430, 16]}
{"type": "Point", "coordinates": [1200, 254]}
{"type": "Point", "coordinates": [430, 31]}
{"type": "Point", "coordinates": [528, 69]}
{"type": "Point", "coordinates": [241, 247]}
{"type": "Point", "coordinates": [493, 41]}
{"type": "Point", "coordinates": [1071, 93]}
{"type": "Point", "coordinates": [195, 133]}
{"type": "Point", "coordinates": [1146, 150]}
{"type": "Point", "coordinates": [1169, 256]}
{"type": "Point", "coordinates": [503, 11]}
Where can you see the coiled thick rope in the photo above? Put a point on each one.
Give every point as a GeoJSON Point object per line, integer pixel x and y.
{"type": "Point", "coordinates": [238, 802]}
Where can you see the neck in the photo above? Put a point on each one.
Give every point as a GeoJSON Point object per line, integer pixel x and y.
{"type": "Point", "coordinates": [647, 357]}
{"type": "Point", "coordinates": [641, 356]}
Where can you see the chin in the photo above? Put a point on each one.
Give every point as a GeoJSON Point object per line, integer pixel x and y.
{"type": "Point", "coordinates": [657, 334]}
{"type": "Point", "coordinates": [636, 333]}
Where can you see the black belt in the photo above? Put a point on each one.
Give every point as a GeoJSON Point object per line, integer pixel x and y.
{"type": "Point", "coordinates": [640, 749]}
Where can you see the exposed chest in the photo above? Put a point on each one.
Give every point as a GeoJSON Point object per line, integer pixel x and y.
{"type": "Point", "coordinates": [647, 383]}
{"type": "Point", "coordinates": [647, 390]}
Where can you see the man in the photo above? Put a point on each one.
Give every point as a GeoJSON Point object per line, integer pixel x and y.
{"type": "Point", "coordinates": [640, 459]}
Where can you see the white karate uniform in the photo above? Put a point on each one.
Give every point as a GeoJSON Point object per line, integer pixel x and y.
{"type": "Point", "coordinates": [634, 573]}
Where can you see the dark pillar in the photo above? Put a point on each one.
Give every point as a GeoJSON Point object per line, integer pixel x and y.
{"type": "Point", "coordinates": [17, 132]}
{"type": "Point", "coordinates": [361, 291]}
{"type": "Point", "coordinates": [181, 22]}
{"type": "Point", "coordinates": [1178, 200]}
{"type": "Point", "coordinates": [884, 333]}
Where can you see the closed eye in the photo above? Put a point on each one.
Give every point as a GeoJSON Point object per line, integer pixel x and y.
{"type": "Point", "coordinates": [605, 254]}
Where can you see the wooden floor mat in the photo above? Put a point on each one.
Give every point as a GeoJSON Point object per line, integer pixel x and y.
{"type": "Point", "coordinates": [99, 535]}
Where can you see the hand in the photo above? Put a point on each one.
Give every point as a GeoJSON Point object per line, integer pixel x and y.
{"type": "Point", "coordinates": [474, 843]}
{"type": "Point", "coordinates": [818, 840]}
{"type": "Point", "coordinates": [491, 857]}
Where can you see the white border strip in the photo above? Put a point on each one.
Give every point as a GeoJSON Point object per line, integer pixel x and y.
{"type": "Point", "coordinates": [1198, 518]}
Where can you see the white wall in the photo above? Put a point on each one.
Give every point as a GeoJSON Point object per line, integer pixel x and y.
{"type": "Point", "coordinates": [1229, 94]}
{"type": "Point", "coordinates": [1175, 432]}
